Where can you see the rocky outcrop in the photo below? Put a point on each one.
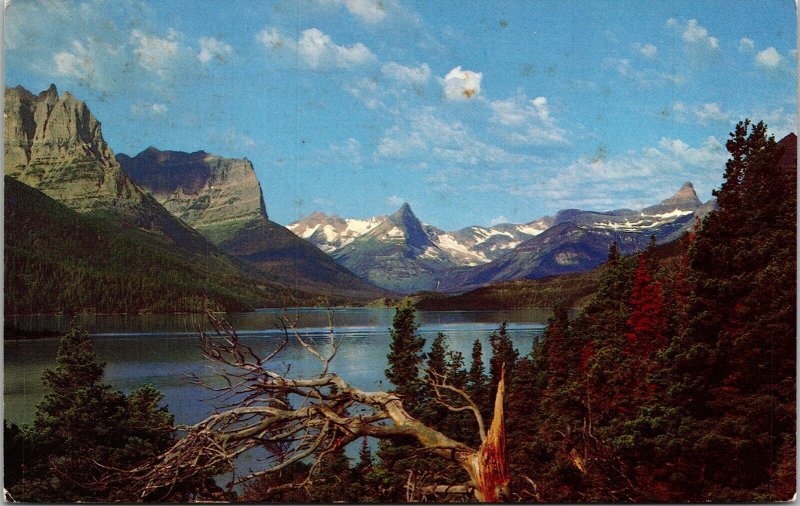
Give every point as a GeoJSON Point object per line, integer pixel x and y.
{"type": "Point", "coordinates": [222, 199]}
{"type": "Point", "coordinates": [399, 254]}
{"type": "Point", "coordinates": [214, 195]}
{"type": "Point", "coordinates": [54, 144]}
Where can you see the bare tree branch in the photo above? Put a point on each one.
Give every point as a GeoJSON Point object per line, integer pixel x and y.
{"type": "Point", "coordinates": [300, 418]}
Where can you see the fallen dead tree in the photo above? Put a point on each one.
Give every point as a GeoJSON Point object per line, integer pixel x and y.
{"type": "Point", "coordinates": [304, 419]}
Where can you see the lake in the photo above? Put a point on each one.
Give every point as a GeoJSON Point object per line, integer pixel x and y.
{"type": "Point", "coordinates": [162, 350]}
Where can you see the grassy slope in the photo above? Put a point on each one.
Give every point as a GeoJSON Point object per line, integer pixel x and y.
{"type": "Point", "coordinates": [57, 260]}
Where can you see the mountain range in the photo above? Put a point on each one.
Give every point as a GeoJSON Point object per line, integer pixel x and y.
{"type": "Point", "coordinates": [203, 218]}
{"type": "Point", "coordinates": [201, 224]}
{"type": "Point", "coordinates": [222, 199]}
{"type": "Point", "coordinates": [399, 252]}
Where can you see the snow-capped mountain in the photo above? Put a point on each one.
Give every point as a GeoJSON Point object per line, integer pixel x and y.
{"type": "Point", "coordinates": [477, 245]}
{"type": "Point", "coordinates": [468, 246]}
{"type": "Point", "coordinates": [579, 241]}
{"type": "Point", "coordinates": [401, 253]}
{"type": "Point", "coordinates": [330, 232]}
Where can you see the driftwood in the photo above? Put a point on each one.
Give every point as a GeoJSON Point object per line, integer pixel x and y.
{"type": "Point", "coordinates": [297, 419]}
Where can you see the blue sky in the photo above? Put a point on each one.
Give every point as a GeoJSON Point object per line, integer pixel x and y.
{"type": "Point", "coordinates": [474, 112]}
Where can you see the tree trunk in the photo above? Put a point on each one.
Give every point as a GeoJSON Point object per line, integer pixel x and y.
{"type": "Point", "coordinates": [488, 467]}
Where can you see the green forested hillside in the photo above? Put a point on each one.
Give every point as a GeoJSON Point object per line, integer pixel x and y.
{"type": "Point", "coordinates": [57, 260]}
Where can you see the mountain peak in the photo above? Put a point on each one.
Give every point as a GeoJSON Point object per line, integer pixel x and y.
{"type": "Point", "coordinates": [50, 93]}
{"type": "Point", "coordinates": [685, 197]}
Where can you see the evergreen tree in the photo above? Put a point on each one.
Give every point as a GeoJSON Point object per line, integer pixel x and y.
{"type": "Point", "coordinates": [731, 371]}
{"type": "Point", "coordinates": [405, 355]}
{"type": "Point", "coordinates": [81, 422]}
{"type": "Point", "coordinates": [477, 385]}
{"type": "Point", "coordinates": [503, 354]}
{"type": "Point", "coordinates": [646, 317]}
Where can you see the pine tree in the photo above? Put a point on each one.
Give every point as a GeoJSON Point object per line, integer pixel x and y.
{"type": "Point", "coordinates": [81, 422]}
{"type": "Point", "coordinates": [405, 355]}
{"type": "Point", "coordinates": [646, 317]}
{"type": "Point", "coordinates": [731, 371]}
{"type": "Point", "coordinates": [503, 354]}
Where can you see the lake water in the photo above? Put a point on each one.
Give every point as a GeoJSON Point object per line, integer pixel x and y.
{"type": "Point", "coordinates": [162, 350]}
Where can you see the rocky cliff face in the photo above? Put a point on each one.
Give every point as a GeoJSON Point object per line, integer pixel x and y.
{"type": "Point", "coordinates": [222, 199]}
{"type": "Point", "coordinates": [214, 195]}
{"type": "Point", "coordinates": [54, 143]}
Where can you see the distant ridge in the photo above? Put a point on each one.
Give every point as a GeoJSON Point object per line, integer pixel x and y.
{"type": "Point", "coordinates": [222, 199]}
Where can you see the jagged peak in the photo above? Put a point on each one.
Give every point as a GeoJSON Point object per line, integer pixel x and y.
{"type": "Point", "coordinates": [685, 193]}
{"type": "Point", "coordinates": [50, 93]}
{"type": "Point", "coordinates": [404, 211]}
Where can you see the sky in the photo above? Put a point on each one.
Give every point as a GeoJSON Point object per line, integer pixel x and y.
{"type": "Point", "coordinates": [474, 112]}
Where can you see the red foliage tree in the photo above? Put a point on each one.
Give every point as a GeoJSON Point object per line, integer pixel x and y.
{"type": "Point", "coordinates": [647, 318]}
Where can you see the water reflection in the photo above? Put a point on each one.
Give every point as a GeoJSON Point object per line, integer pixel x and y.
{"type": "Point", "coordinates": [163, 349]}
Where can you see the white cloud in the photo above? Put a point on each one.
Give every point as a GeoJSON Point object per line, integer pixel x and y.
{"type": "Point", "coordinates": [498, 220]}
{"type": "Point", "coordinates": [711, 113]}
{"type": "Point", "coordinates": [746, 44]}
{"type": "Point", "coordinates": [644, 78]}
{"type": "Point", "coordinates": [350, 150]}
{"type": "Point", "coordinates": [647, 50]}
{"type": "Point", "coordinates": [211, 48]}
{"type": "Point", "coordinates": [395, 201]}
{"type": "Point", "coordinates": [412, 75]}
{"type": "Point", "coordinates": [272, 39]}
{"type": "Point", "coordinates": [530, 120]}
{"type": "Point", "coordinates": [397, 144]}
{"type": "Point", "coordinates": [461, 84]}
{"type": "Point", "coordinates": [710, 154]}
{"type": "Point", "coordinates": [428, 136]}
{"type": "Point", "coordinates": [318, 51]}
{"type": "Point", "coordinates": [370, 11]}
{"type": "Point", "coordinates": [769, 58]}
{"type": "Point", "coordinates": [779, 121]}
{"type": "Point", "coordinates": [153, 53]}
{"type": "Point", "coordinates": [693, 33]}
{"type": "Point", "coordinates": [367, 90]}
{"type": "Point", "coordinates": [79, 63]}
{"type": "Point", "coordinates": [148, 109]}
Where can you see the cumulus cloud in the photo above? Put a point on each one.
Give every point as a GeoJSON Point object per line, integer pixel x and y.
{"type": "Point", "coordinates": [411, 75]}
{"type": "Point", "coordinates": [769, 58]}
{"type": "Point", "coordinates": [318, 51]}
{"type": "Point", "coordinates": [746, 45]}
{"type": "Point", "coordinates": [154, 53]}
{"type": "Point", "coordinates": [429, 136]}
{"type": "Point", "coordinates": [369, 11]}
{"type": "Point", "coordinates": [779, 121]}
{"type": "Point", "coordinates": [148, 109]}
{"type": "Point", "coordinates": [644, 78]}
{"type": "Point", "coordinates": [647, 50]}
{"type": "Point", "coordinates": [461, 84]}
{"type": "Point", "coordinates": [272, 39]}
{"type": "Point", "coordinates": [711, 113]}
{"type": "Point", "coordinates": [530, 120]}
{"type": "Point", "coordinates": [211, 48]}
{"type": "Point", "coordinates": [694, 34]}
{"type": "Point", "coordinates": [651, 174]}
{"type": "Point", "coordinates": [710, 154]}
{"type": "Point", "coordinates": [78, 62]}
